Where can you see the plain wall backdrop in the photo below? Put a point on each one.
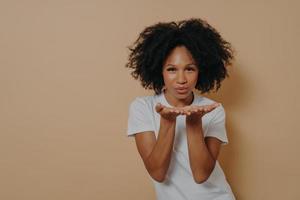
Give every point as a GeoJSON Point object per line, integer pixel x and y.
{"type": "Point", "coordinates": [65, 94]}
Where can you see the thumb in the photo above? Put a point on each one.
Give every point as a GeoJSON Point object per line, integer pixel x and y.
{"type": "Point", "coordinates": [159, 107]}
{"type": "Point", "coordinates": [214, 105]}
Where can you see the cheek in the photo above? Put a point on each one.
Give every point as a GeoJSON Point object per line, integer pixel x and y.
{"type": "Point", "coordinates": [194, 78]}
{"type": "Point", "coordinates": [168, 78]}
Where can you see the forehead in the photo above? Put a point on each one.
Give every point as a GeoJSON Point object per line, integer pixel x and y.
{"type": "Point", "coordinates": [179, 55]}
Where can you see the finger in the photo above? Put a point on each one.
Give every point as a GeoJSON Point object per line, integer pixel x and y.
{"type": "Point", "coordinates": [202, 111]}
{"type": "Point", "coordinates": [208, 109]}
{"type": "Point", "coordinates": [186, 111]}
{"type": "Point", "coordinates": [197, 110]}
{"type": "Point", "coordinates": [176, 111]}
{"type": "Point", "coordinates": [216, 105]}
{"type": "Point", "coordinates": [180, 112]}
{"type": "Point", "coordinates": [172, 110]}
{"type": "Point", "coordinates": [189, 111]}
{"type": "Point", "coordinates": [159, 107]}
{"type": "Point", "coordinates": [211, 107]}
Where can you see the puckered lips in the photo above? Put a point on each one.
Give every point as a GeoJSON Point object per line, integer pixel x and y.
{"type": "Point", "coordinates": [181, 90]}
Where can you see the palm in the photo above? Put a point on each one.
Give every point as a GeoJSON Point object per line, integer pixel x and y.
{"type": "Point", "coordinates": [195, 113]}
{"type": "Point", "coordinates": [167, 112]}
{"type": "Point", "coordinates": [192, 112]}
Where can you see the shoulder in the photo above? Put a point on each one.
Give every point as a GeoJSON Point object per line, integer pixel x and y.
{"type": "Point", "coordinates": [202, 100]}
{"type": "Point", "coordinates": [143, 102]}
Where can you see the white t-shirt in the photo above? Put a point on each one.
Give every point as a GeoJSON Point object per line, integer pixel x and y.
{"type": "Point", "coordinates": [179, 183]}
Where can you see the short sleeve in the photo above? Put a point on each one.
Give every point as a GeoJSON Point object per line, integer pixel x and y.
{"type": "Point", "coordinates": [139, 119]}
{"type": "Point", "coordinates": [216, 127]}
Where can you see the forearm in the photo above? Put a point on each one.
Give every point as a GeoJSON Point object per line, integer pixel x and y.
{"type": "Point", "coordinates": [201, 161]}
{"type": "Point", "coordinates": [159, 159]}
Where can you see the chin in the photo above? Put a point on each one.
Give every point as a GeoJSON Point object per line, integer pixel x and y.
{"type": "Point", "coordinates": [182, 96]}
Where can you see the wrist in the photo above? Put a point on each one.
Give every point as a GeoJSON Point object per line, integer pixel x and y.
{"type": "Point", "coordinates": [194, 129]}
{"type": "Point", "coordinates": [167, 121]}
{"type": "Point", "coordinates": [193, 121]}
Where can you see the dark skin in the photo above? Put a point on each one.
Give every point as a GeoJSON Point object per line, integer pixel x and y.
{"type": "Point", "coordinates": [203, 152]}
{"type": "Point", "coordinates": [180, 76]}
{"type": "Point", "coordinates": [193, 113]}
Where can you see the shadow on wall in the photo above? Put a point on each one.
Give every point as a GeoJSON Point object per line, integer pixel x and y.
{"type": "Point", "coordinates": [234, 94]}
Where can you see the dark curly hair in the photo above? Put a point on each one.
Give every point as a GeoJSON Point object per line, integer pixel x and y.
{"type": "Point", "coordinates": [210, 51]}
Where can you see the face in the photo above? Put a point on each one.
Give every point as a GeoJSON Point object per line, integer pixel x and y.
{"type": "Point", "coordinates": [180, 74]}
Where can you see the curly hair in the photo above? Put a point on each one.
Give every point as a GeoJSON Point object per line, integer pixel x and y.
{"type": "Point", "coordinates": [209, 50]}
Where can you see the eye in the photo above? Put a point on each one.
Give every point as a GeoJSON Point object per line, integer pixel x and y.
{"type": "Point", "coordinates": [171, 69]}
{"type": "Point", "coordinates": [190, 69]}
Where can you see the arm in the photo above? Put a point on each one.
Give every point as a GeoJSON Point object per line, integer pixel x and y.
{"type": "Point", "coordinates": [156, 154]}
{"type": "Point", "coordinates": [203, 152]}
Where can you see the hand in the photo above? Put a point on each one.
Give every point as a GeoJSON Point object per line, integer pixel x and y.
{"type": "Point", "coordinates": [195, 113]}
{"type": "Point", "coordinates": [167, 112]}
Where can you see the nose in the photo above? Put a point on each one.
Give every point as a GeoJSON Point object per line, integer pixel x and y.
{"type": "Point", "coordinates": [181, 78]}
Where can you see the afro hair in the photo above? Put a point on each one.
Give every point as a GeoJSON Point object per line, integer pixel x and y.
{"type": "Point", "coordinates": [209, 50]}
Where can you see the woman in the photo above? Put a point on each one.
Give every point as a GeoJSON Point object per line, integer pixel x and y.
{"type": "Point", "coordinates": [178, 133]}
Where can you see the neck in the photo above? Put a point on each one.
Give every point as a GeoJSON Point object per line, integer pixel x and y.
{"type": "Point", "coordinates": [179, 102]}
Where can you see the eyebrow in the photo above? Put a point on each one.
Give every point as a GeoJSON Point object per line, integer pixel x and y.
{"type": "Point", "coordinates": [185, 65]}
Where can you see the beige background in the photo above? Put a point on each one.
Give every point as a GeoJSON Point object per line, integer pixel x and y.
{"type": "Point", "coordinates": [65, 94]}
